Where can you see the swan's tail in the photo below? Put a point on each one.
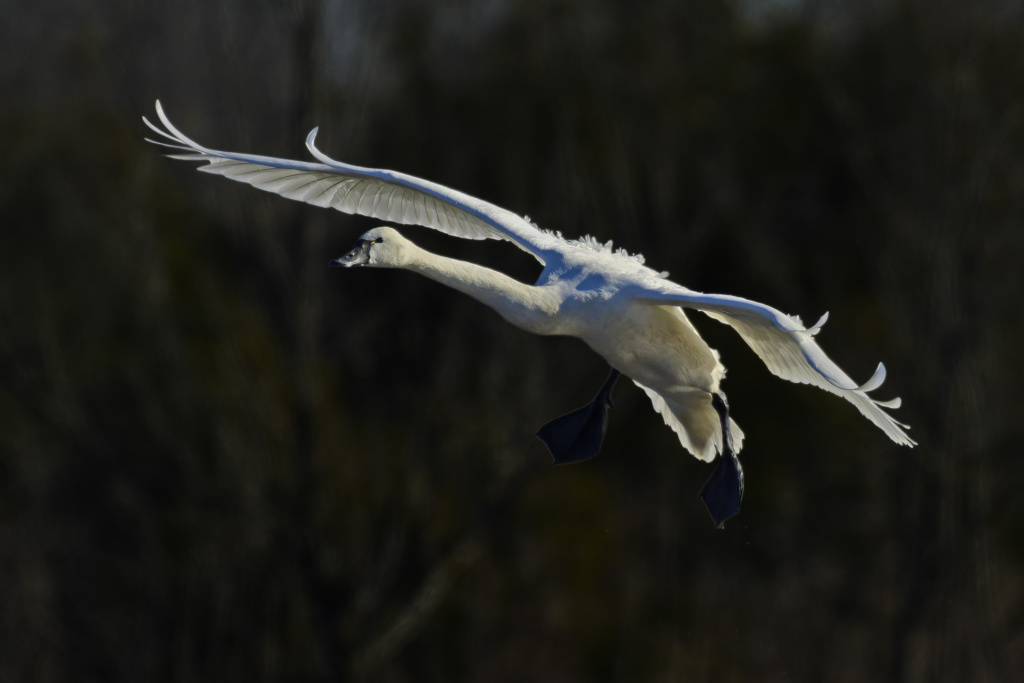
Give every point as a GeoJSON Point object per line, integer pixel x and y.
{"type": "Point", "coordinates": [692, 417]}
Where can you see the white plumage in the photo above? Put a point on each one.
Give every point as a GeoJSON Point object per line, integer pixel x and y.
{"type": "Point", "coordinates": [626, 312]}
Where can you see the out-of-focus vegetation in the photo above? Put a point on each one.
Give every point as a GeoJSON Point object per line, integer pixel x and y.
{"type": "Point", "coordinates": [220, 461]}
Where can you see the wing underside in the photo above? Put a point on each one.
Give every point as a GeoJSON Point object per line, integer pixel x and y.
{"type": "Point", "coordinates": [788, 349]}
{"type": "Point", "coordinates": [386, 195]}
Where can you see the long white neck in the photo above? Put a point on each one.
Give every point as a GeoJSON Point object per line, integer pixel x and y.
{"type": "Point", "coordinates": [531, 308]}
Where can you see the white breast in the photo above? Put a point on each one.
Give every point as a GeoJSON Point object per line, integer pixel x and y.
{"type": "Point", "coordinates": [654, 345]}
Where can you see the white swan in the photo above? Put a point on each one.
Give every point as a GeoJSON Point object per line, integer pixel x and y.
{"type": "Point", "coordinates": [630, 315]}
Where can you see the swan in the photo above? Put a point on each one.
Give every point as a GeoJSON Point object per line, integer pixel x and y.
{"type": "Point", "coordinates": [632, 316]}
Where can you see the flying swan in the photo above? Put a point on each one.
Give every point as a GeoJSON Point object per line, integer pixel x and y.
{"type": "Point", "coordinates": [630, 315]}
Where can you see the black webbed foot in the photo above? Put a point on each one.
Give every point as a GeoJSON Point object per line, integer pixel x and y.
{"type": "Point", "coordinates": [578, 435]}
{"type": "Point", "coordinates": [723, 491]}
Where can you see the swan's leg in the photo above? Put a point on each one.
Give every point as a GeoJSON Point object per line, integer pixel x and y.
{"type": "Point", "coordinates": [578, 435]}
{"type": "Point", "coordinates": [723, 490]}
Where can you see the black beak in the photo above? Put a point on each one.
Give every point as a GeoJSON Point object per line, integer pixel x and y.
{"type": "Point", "coordinates": [359, 256]}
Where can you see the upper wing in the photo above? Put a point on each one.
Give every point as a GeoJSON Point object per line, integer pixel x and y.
{"type": "Point", "coordinates": [787, 348]}
{"type": "Point", "coordinates": [388, 195]}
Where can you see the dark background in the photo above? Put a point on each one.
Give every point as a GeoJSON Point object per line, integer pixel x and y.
{"type": "Point", "coordinates": [221, 461]}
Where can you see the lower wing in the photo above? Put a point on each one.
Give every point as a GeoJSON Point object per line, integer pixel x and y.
{"type": "Point", "coordinates": [787, 348]}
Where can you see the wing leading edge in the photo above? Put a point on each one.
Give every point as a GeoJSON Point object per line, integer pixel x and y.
{"type": "Point", "coordinates": [387, 195]}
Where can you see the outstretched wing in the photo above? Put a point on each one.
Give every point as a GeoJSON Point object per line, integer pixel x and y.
{"type": "Point", "coordinates": [387, 195]}
{"type": "Point", "coordinates": [787, 348]}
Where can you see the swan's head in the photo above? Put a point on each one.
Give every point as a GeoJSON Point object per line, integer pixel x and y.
{"type": "Point", "coordinates": [381, 247]}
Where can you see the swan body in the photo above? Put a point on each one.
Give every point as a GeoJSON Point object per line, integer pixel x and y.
{"type": "Point", "coordinates": [629, 314]}
{"type": "Point", "coordinates": [595, 296]}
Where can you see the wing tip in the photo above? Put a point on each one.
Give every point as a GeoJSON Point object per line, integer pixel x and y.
{"type": "Point", "coordinates": [816, 328]}
{"type": "Point", "coordinates": [891, 404]}
{"type": "Point", "coordinates": [172, 131]}
{"type": "Point", "coordinates": [311, 146]}
{"type": "Point", "coordinates": [876, 380]}
{"type": "Point", "coordinates": [904, 440]}
{"type": "Point", "coordinates": [163, 117]}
